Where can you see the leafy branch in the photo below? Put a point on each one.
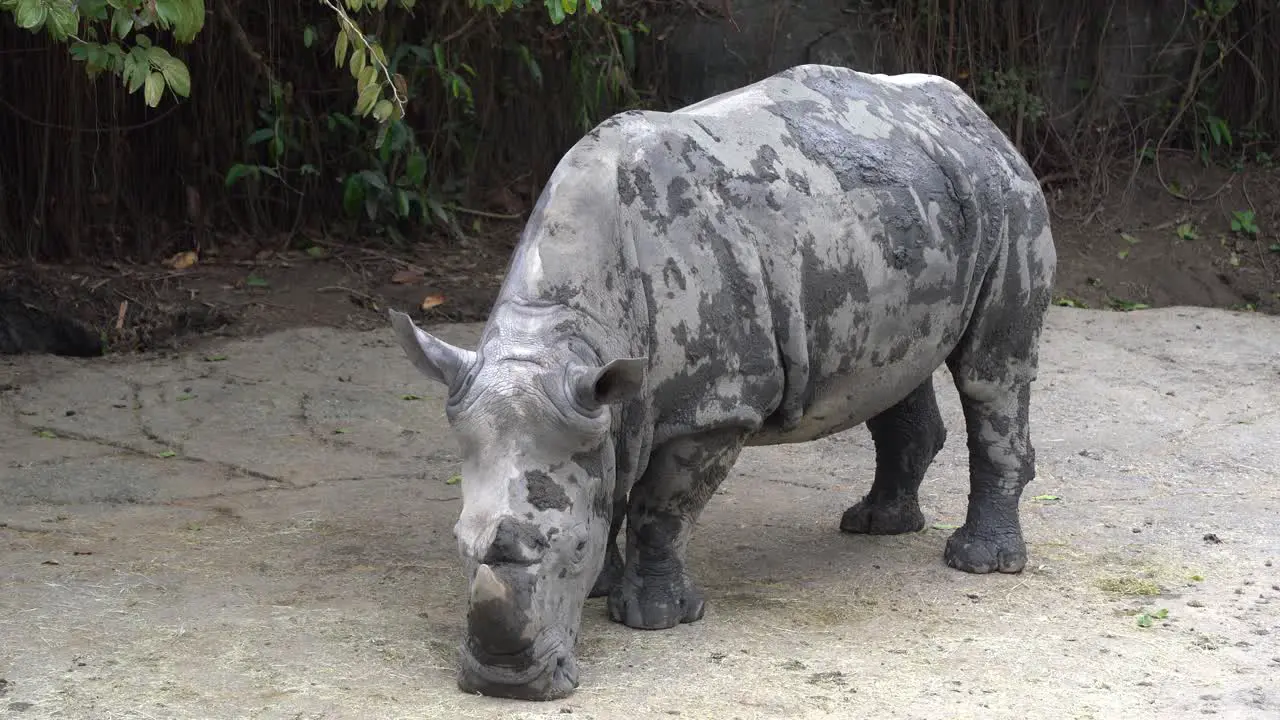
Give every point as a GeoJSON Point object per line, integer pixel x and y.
{"type": "Point", "coordinates": [130, 53]}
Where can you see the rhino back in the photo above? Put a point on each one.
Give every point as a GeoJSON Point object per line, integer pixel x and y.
{"type": "Point", "coordinates": [813, 246]}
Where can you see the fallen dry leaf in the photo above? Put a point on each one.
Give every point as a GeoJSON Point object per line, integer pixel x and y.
{"type": "Point", "coordinates": [403, 277]}
{"type": "Point", "coordinates": [431, 301]}
{"type": "Point", "coordinates": [183, 260]}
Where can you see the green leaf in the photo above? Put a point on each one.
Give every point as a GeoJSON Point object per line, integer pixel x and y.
{"type": "Point", "coordinates": [374, 179]}
{"type": "Point", "coordinates": [340, 49]}
{"type": "Point", "coordinates": [1046, 497]}
{"type": "Point", "coordinates": [154, 89]}
{"type": "Point", "coordinates": [340, 431]}
{"type": "Point", "coordinates": [627, 44]}
{"type": "Point", "coordinates": [556, 11]}
{"type": "Point", "coordinates": [410, 396]}
{"type": "Point", "coordinates": [240, 171]}
{"type": "Point", "coordinates": [945, 526]}
{"type": "Point", "coordinates": [255, 281]}
{"type": "Point", "coordinates": [453, 480]}
{"type": "Point", "coordinates": [382, 110]}
{"type": "Point", "coordinates": [402, 203]}
{"type": "Point", "coordinates": [46, 434]}
{"type": "Point", "coordinates": [184, 17]}
{"type": "Point", "coordinates": [260, 135]}
{"type": "Point", "coordinates": [317, 252]}
{"type": "Point", "coordinates": [416, 168]}
{"type": "Point", "coordinates": [63, 18]}
{"type": "Point", "coordinates": [352, 194]}
{"type": "Point", "coordinates": [215, 358]}
{"type": "Point", "coordinates": [308, 36]}
{"type": "Point", "coordinates": [136, 69]}
{"type": "Point", "coordinates": [357, 62]}
{"type": "Point", "coordinates": [166, 454]}
{"type": "Point", "coordinates": [1144, 620]}
{"type": "Point", "coordinates": [367, 98]}
{"type": "Point", "coordinates": [121, 22]}
{"type": "Point", "coordinates": [30, 14]}
{"type": "Point", "coordinates": [175, 73]}
{"type": "Point", "coordinates": [92, 9]}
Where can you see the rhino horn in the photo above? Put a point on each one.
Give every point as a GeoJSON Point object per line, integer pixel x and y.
{"type": "Point", "coordinates": [488, 588]}
{"type": "Point", "coordinates": [499, 626]}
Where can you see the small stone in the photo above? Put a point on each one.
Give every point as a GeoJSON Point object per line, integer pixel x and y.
{"type": "Point", "coordinates": [1137, 530]}
{"type": "Point", "coordinates": [1267, 563]}
{"type": "Point", "coordinates": [973, 596]}
{"type": "Point", "coordinates": [1194, 603]}
{"type": "Point", "coordinates": [1212, 538]}
{"type": "Point", "coordinates": [69, 413]}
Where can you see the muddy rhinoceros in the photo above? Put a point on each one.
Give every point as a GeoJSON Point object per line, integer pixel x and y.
{"type": "Point", "coordinates": [771, 265]}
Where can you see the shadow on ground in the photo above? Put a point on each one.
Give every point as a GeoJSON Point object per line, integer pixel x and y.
{"type": "Point", "coordinates": [262, 530]}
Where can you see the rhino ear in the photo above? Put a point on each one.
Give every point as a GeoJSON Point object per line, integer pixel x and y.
{"type": "Point", "coordinates": [616, 382]}
{"type": "Point", "coordinates": [434, 357]}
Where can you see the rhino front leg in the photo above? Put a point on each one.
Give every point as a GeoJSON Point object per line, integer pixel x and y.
{"type": "Point", "coordinates": [907, 438]}
{"type": "Point", "coordinates": [611, 573]}
{"type": "Point", "coordinates": [656, 591]}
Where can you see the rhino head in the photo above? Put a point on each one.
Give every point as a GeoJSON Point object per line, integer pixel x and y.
{"type": "Point", "coordinates": [533, 422]}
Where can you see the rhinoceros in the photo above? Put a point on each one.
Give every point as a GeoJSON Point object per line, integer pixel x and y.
{"type": "Point", "coordinates": [774, 264]}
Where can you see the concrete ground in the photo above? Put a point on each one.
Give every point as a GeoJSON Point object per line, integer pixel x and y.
{"type": "Point", "coordinates": [261, 529]}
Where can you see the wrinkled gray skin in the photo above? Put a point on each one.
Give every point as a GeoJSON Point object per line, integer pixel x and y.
{"type": "Point", "coordinates": [772, 265]}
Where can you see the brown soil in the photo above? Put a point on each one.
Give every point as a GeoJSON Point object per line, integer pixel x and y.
{"type": "Point", "coordinates": [1124, 252]}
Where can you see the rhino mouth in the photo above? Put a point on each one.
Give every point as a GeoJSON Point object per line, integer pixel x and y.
{"type": "Point", "coordinates": [545, 670]}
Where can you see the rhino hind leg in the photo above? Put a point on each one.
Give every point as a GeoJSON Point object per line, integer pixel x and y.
{"type": "Point", "coordinates": [655, 591]}
{"type": "Point", "coordinates": [611, 574]}
{"type": "Point", "coordinates": [993, 368]}
{"type": "Point", "coordinates": [907, 436]}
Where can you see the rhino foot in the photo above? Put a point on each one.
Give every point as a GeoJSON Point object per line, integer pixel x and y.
{"type": "Point", "coordinates": [655, 601]}
{"type": "Point", "coordinates": [980, 551]}
{"type": "Point", "coordinates": [610, 575]}
{"type": "Point", "coordinates": [894, 517]}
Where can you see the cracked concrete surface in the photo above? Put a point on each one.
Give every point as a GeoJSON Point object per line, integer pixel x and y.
{"type": "Point", "coordinates": [262, 530]}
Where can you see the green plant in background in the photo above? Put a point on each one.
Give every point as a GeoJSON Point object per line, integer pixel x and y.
{"type": "Point", "coordinates": [1006, 95]}
{"type": "Point", "coordinates": [1187, 232]}
{"type": "Point", "coordinates": [1243, 223]}
{"type": "Point", "coordinates": [1216, 130]}
{"type": "Point", "coordinates": [141, 65]}
{"type": "Point", "coordinates": [384, 173]}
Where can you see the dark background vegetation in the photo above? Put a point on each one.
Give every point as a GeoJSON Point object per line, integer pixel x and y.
{"type": "Point", "coordinates": [1174, 102]}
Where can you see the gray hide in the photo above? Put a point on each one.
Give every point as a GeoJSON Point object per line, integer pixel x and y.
{"type": "Point", "coordinates": [771, 265]}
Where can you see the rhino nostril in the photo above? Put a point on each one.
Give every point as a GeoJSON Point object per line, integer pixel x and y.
{"type": "Point", "coordinates": [516, 542]}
